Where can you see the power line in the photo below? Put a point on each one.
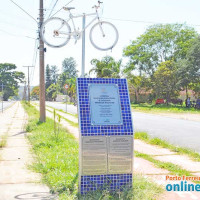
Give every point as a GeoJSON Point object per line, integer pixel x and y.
{"type": "Point", "coordinates": [34, 59]}
{"type": "Point", "coordinates": [18, 26]}
{"type": "Point", "coordinates": [24, 11]}
{"type": "Point", "coordinates": [144, 22]}
{"type": "Point", "coordinates": [17, 35]}
{"type": "Point", "coordinates": [53, 8]}
{"type": "Point", "coordinates": [61, 8]}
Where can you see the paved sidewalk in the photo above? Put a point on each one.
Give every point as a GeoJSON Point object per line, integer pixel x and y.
{"type": "Point", "coordinates": [16, 181]}
{"type": "Point", "coordinates": [146, 168]}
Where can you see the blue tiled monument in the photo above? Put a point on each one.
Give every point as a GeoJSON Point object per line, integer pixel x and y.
{"type": "Point", "coordinates": [106, 134]}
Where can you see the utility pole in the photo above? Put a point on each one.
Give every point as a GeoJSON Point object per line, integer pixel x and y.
{"type": "Point", "coordinates": [28, 84]}
{"type": "Point", "coordinates": [2, 85]}
{"type": "Point", "coordinates": [24, 96]}
{"type": "Point", "coordinates": [42, 81]}
{"type": "Point", "coordinates": [83, 48]}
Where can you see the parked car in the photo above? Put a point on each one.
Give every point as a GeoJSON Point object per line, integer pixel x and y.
{"type": "Point", "coordinates": [176, 101]}
{"type": "Point", "coordinates": [160, 101]}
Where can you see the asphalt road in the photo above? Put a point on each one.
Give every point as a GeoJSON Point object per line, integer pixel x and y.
{"type": "Point", "coordinates": [70, 108]}
{"type": "Point", "coordinates": [180, 132]}
{"type": "Point", "coordinates": [6, 104]}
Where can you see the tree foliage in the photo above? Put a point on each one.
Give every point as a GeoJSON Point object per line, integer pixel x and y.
{"type": "Point", "coordinates": [107, 67]}
{"type": "Point", "coordinates": [10, 79]}
{"type": "Point", "coordinates": [35, 92]}
{"type": "Point", "coordinates": [165, 81]}
{"type": "Point", "coordinates": [52, 92]}
{"type": "Point", "coordinates": [158, 44]}
{"type": "Point", "coordinates": [69, 68]}
{"type": "Point", "coordinates": [55, 82]}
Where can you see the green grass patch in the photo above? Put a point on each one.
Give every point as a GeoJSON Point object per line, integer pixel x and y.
{"type": "Point", "coordinates": [162, 108]}
{"type": "Point", "coordinates": [57, 161]}
{"type": "Point", "coordinates": [161, 143]}
{"type": "Point", "coordinates": [74, 115]}
{"type": "Point", "coordinates": [3, 140]}
{"type": "Point", "coordinates": [69, 121]}
{"type": "Point", "coordinates": [60, 110]}
{"type": "Point", "coordinates": [174, 169]}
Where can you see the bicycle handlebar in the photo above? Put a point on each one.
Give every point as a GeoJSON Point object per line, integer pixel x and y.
{"type": "Point", "coordinates": [95, 6]}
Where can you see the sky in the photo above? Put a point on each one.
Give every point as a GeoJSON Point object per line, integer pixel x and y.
{"type": "Point", "coordinates": [18, 31]}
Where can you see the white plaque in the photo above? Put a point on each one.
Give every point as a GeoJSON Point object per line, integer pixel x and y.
{"type": "Point", "coordinates": [105, 106]}
{"type": "Point", "coordinates": [120, 154]}
{"type": "Point", "coordinates": [94, 155]}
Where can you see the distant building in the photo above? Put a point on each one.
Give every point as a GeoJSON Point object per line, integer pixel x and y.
{"type": "Point", "coordinates": [62, 98]}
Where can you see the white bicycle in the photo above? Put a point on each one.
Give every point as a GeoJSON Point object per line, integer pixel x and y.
{"type": "Point", "coordinates": [56, 32]}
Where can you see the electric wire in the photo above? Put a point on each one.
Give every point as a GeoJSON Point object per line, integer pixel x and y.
{"type": "Point", "coordinates": [15, 35]}
{"type": "Point", "coordinates": [34, 60]}
{"type": "Point", "coordinates": [47, 9]}
{"type": "Point", "coordinates": [61, 8]}
{"type": "Point", "coordinates": [16, 25]}
{"type": "Point", "coordinates": [24, 11]}
{"type": "Point", "coordinates": [52, 9]}
{"type": "Point", "coordinates": [144, 22]}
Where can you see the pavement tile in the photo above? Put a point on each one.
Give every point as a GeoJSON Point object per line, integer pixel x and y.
{"type": "Point", "coordinates": [143, 166]}
{"type": "Point", "coordinates": [181, 160]}
{"type": "Point", "coordinates": [17, 142]}
{"type": "Point", "coordinates": [145, 148]}
{"type": "Point", "coordinates": [25, 191]}
{"type": "Point", "coordinates": [15, 178]}
{"type": "Point", "coordinates": [15, 153]}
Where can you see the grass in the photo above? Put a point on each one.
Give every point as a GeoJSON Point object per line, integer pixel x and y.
{"type": "Point", "coordinates": [161, 143]}
{"type": "Point", "coordinates": [3, 140]}
{"type": "Point", "coordinates": [174, 169]}
{"type": "Point", "coordinates": [157, 141]}
{"type": "Point", "coordinates": [164, 108]}
{"type": "Point", "coordinates": [69, 121]}
{"type": "Point", "coordinates": [74, 115]}
{"type": "Point", "coordinates": [57, 161]}
{"type": "Point", "coordinates": [60, 110]}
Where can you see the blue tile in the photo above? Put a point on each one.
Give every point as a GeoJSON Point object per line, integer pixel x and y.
{"type": "Point", "coordinates": [109, 181]}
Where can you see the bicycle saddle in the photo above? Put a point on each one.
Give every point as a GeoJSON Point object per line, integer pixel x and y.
{"type": "Point", "coordinates": [68, 8]}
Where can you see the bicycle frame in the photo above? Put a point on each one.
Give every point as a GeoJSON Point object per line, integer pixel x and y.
{"type": "Point", "coordinates": [71, 17]}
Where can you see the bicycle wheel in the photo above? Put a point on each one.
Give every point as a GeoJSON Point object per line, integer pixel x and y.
{"type": "Point", "coordinates": [104, 35]}
{"type": "Point", "coordinates": [55, 32]}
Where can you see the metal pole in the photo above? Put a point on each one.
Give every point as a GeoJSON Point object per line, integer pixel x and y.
{"type": "Point", "coordinates": [66, 102]}
{"type": "Point", "coordinates": [28, 87]}
{"type": "Point", "coordinates": [24, 96]}
{"type": "Point", "coordinates": [28, 84]}
{"type": "Point", "coordinates": [83, 48]}
{"type": "Point", "coordinates": [42, 81]}
{"type": "Point", "coordinates": [2, 95]}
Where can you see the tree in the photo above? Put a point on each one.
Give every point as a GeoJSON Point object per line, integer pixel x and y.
{"type": "Point", "coordinates": [10, 79]}
{"type": "Point", "coordinates": [35, 92]}
{"type": "Point", "coordinates": [52, 92]}
{"type": "Point", "coordinates": [137, 83]}
{"type": "Point", "coordinates": [54, 74]}
{"type": "Point", "coordinates": [188, 69]}
{"type": "Point", "coordinates": [51, 79]}
{"type": "Point", "coordinates": [165, 81]}
{"type": "Point", "coordinates": [71, 92]}
{"type": "Point", "coordinates": [69, 73]}
{"type": "Point", "coordinates": [69, 68]}
{"type": "Point", "coordinates": [48, 77]}
{"type": "Point", "coordinates": [158, 44]}
{"type": "Point", "coordinates": [107, 67]}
